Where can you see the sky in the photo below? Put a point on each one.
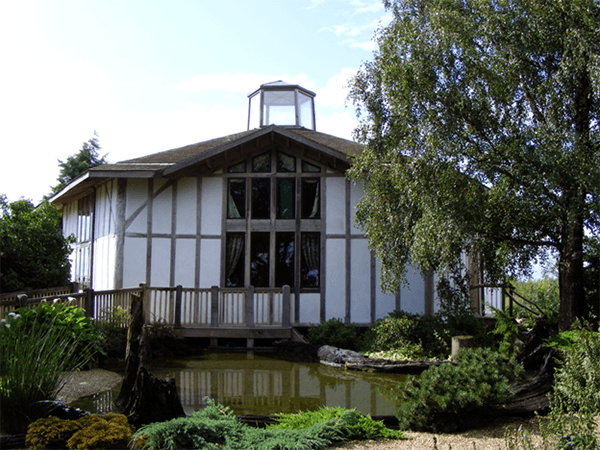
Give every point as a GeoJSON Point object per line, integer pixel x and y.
{"type": "Point", "coordinates": [152, 75]}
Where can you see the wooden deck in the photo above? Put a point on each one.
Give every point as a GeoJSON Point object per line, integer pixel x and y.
{"type": "Point", "coordinates": [214, 313]}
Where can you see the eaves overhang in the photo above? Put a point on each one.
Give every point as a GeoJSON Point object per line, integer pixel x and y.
{"type": "Point", "coordinates": [336, 158]}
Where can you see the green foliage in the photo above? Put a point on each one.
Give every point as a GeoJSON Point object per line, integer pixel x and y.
{"type": "Point", "coordinates": [215, 427]}
{"type": "Point", "coordinates": [411, 336]}
{"type": "Point", "coordinates": [575, 398]}
{"type": "Point", "coordinates": [544, 293]}
{"type": "Point", "coordinates": [78, 163]}
{"type": "Point", "coordinates": [89, 432]}
{"type": "Point", "coordinates": [508, 329]}
{"type": "Point", "coordinates": [31, 364]}
{"type": "Point", "coordinates": [336, 333]}
{"type": "Point", "coordinates": [359, 426]}
{"type": "Point", "coordinates": [33, 251]}
{"type": "Point", "coordinates": [451, 397]}
{"type": "Point", "coordinates": [60, 316]}
{"type": "Point", "coordinates": [577, 379]}
{"type": "Point", "coordinates": [479, 121]}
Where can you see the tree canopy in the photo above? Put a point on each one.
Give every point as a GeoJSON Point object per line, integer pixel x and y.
{"type": "Point", "coordinates": [75, 165]}
{"type": "Point", "coordinates": [33, 251]}
{"type": "Point", "coordinates": [480, 121]}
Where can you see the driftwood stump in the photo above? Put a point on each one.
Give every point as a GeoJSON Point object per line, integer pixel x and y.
{"type": "Point", "coordinates": [132, 355]}
{"type": "Point", "coordinates": [144, 397]}
{"type": "Point", "coordinates": [152, 400]}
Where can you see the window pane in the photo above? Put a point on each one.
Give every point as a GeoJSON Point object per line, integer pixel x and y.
{"type": "Point", "coordinates": [311, 260]}
{"type": "Point", "coordinates": [308, 167]}
{"type": "Point", "coordinates": [285, 198]}
{"type": "Point", "coordinates": [262, 163]}
{"type": "Point", "coordinates": [311, 206]}
{"type": "Point", "coordinates": [305, 104]}
{"type": "Point", "coordinates": [279, 108]}
{"type": "Point", "coordinates": [284, 259]}
{"type": "Point", "coordinates": [234, 260]}
{"type": "Point", "coordinates": [237, 168]}
{"type": "Point", "coordinates": [259, 259]}
{"type": "Point", "coordinates": [236, 200]}
{"type": "Point", "coordinates": [261, 198]}
{"type": "Point", "coordinates": [285, 163]}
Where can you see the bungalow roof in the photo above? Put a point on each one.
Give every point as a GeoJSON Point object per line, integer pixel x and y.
{"type": "Point", "coordinates": [204, 157]}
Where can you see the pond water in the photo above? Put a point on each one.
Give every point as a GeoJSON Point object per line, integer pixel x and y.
{"type": "Point", "coordinates": [260, 383]}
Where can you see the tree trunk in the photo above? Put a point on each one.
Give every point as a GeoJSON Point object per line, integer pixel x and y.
{"type": "Point", "coordinates": [571, 275]}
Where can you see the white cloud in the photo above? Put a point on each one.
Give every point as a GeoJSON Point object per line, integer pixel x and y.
{"type": "Point", "coordinates": [335, 92]}
{"type": "Point", "coordinates": [237, 82]}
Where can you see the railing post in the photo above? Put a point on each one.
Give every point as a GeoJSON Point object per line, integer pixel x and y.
{"type": "Point", "coordinates": [214, 306]}
{"type": "Point", "coordinates": [178, 291]}
{"type": "Point", "coordinates": [285, 307]}
{"type": "Point", "coordinates": [249, 307]}
{"type": "Point", "coordinates": [89, 302]}
{"type": "Point", "coordinates": [145, 306]}
{"type": "Point", "coordinates": [74, 287]}
{"type": "Point", "coordinates": [22, 299]}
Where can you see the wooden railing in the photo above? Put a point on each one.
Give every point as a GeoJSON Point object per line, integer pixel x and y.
{"type": "Point", "coordinates": [178, 306]}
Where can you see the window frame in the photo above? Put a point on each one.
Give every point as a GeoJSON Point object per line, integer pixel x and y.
{"type": "Point", "coordinates": [274, 224]}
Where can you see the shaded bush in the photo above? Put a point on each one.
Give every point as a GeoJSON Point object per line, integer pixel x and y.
{"type": "Point", "coordinates": [89, 432]}
{"type": "Point", "coordinates": [336, 333]}
{"type": "Point", "coordinates": [66, 319]}
{"type": "Point", "coordinates": [411, 336]}
{"type": "Point", "coordinates": [31, 363]}
{"type": "Point", "coordinates": [359, 427]}
{"type": "Point", "coordinates": [452, 397]}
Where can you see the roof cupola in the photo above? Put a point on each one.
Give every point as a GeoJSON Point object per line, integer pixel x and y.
{"type": "Point", "coordinates": [283, 104]}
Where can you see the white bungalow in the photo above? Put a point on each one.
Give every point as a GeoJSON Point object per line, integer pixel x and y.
{"type": "Point", "coordinates": [266, 207]}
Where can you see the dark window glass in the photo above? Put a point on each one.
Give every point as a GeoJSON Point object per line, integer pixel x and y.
{"type": "Point", "coordinates": [237, 168]}
{"type": "Point", "coordinates": [286, 198]}
{"type": "Point", "coordinates": [310, 259]}
{"type": "Point", "coordinates": [284, 259]}
{"type": "Point", "coordinates": [285, 163]}
{"type": "Point", "coordinates": [311, 205]}
{"type": "Point", "coordinates": [236, 199]}
{"type": "Point", "coordinates": [261, 198]}
{"type": "Point", "coordinates": [234, 260]}
{"type": "Point", "coordinates": [262, 163]}
{"type": "Point", "coordinates": [308, 167]}
{"type": "Point", "coordinates": [259, 259]}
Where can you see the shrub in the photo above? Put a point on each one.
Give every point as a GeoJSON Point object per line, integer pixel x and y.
{"type": "Point", "coordinates": [31, 364]}
{"type": "Point", "coordinates": [411, 336]}
{"type": "Point", "coordinates": [334, 332]}
{"type": "Point", "coordinates": [451, 397]}
{"type": "Point", "coordinates": [359, 427]}
{"type": "Point", "coordinates": [215, 427]}
{"type": "Point", "coordinates": [60, 316]}
{"type": "Point", "coordinates": [89, 432]}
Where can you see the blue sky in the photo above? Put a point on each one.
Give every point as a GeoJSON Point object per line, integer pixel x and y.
{"type": "Point", "coordinates": [151, 75]}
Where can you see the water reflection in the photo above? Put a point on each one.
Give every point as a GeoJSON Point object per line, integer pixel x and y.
{"type": "Point", "coordinates": [258, 383]}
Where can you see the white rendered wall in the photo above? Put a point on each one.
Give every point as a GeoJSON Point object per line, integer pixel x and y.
{"type": "Point", "coordinates": [310, 306]}
{"type": "Point", "coordinates": [186, 206]}
{"type": "Point", "coordinates": [335, 278]}
{"type": "Point", "coordinates": [210, 263]}
{"type": "Point", "coordinates": [412, 296]}
{"type": "Point", "coordinates": [212, 200]}
{"type": "Point", "coordinates": [335, 190]}
{"type": "Point", "coordinates": [161, 209]}
{"type": "Point", "coordinates": [385, 303]}
{"type": "Point", "coordinates": [360, 282]}
{"type": "Point", "coordinates": [356, 193]}
{"type": "Point", "coordinates": [161, 262]}
{"type": "Point", "coordinates": [185, 262]}
{"type": "Point", "coordinates": [134, 262]}
{"type": "Point", "coordinates": [136, 203]}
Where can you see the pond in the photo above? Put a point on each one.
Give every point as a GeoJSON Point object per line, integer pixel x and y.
{"type": "Point", "coordinates": [260, 383]}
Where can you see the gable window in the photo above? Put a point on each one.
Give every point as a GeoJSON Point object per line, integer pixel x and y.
{"type": "Point", "coordinates": [273, 216]}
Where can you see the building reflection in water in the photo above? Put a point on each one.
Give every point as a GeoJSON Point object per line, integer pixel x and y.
{"type": "Point", "coordinates": [258, 383]}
